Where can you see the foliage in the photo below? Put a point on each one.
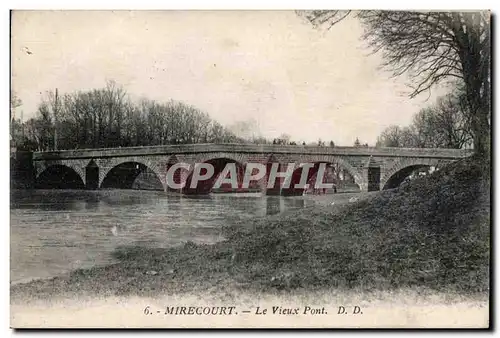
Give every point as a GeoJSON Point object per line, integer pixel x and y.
{"type": "Point", "coordinates": [15, 101]}
{"type": "Point", "coordinates": [106, 117]}
{"type": "Point", "coordinates": [430, 47]}
{"type": "Point", "coordinates": [444, 125]}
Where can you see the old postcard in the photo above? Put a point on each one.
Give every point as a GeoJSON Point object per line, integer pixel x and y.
{"type": "Point", "coordinates": [250, 169]}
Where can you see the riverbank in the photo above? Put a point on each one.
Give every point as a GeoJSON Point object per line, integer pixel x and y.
{"type": "Point", "coordinates": [432, 233]}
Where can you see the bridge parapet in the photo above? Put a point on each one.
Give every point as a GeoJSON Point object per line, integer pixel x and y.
{"type": "Point", "coordinates": [252, 148]}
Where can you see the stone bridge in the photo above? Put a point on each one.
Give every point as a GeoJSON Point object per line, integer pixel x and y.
{"type": "Point", "coordinates": [370, 168]}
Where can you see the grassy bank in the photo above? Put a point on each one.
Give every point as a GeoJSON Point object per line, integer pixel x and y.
{"type": "Point", "coordinates": [432, 233]}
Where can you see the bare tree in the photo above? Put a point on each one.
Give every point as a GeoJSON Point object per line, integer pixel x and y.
{"type": "Point", "coordinates": [390, 137]}
{"type": "Point", "coordinates": [15, 102]}
{"type": "Point", "coordinates": [247, 129]}
{"type": "Point", "coordinates": [431, 47]}
{"type": "Point", "coordinates": [444, 125]}
{"type": "Point", "coordinates": [106, 117]}
{"type": "Point", "coordinates": [15, 124]}
{"type": "Point", "coordinates": [284, 139]}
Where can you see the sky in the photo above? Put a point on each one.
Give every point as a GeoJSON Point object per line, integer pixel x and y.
{"type": "Point", "coordinates": [271, 68]}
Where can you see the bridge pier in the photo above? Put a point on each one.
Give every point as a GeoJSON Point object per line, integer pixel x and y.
{"type": "Point", "coordinates": [276, 189]}
{"type": "Point", "coordinates": [92, 176]}
{"type": "Point", "coordinates": [179, 176]}
{"type": "Point", "coordinates": [371, 175]}
{"type": "Point", "coordinates": [22, 171]}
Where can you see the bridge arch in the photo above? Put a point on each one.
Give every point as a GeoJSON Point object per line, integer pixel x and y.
{"type": "Point", "coordinates": [317, 160]}
{"type": "Point", "coordinates": [77, 166]}
{"type": "Point", "coordinates": [336, 160]}
{"type": "Point", "coordinates": [219, 162]}
{"type": "Point", "coordinates": [121, 172]}
{"type": "Point", "coordinates": [206, 157]}
{"type": "Point", "coordinates": [400, 170]}
{"type": "Point", "coordinates": [59, 176]}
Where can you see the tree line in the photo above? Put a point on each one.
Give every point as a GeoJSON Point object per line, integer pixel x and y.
{"type": "Point", "coordinates": [107, 117]}
{"type": "Point", "coordinates": [431, 47]}
{"type": "Point", "coordinates": [446, 124]}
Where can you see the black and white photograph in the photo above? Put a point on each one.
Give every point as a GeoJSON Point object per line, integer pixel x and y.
{"type": "Point", "coordinates": [250, 169]}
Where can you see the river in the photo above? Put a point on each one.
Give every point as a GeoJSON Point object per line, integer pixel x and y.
{"type": "Point", "coordinates": [55, 231]}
